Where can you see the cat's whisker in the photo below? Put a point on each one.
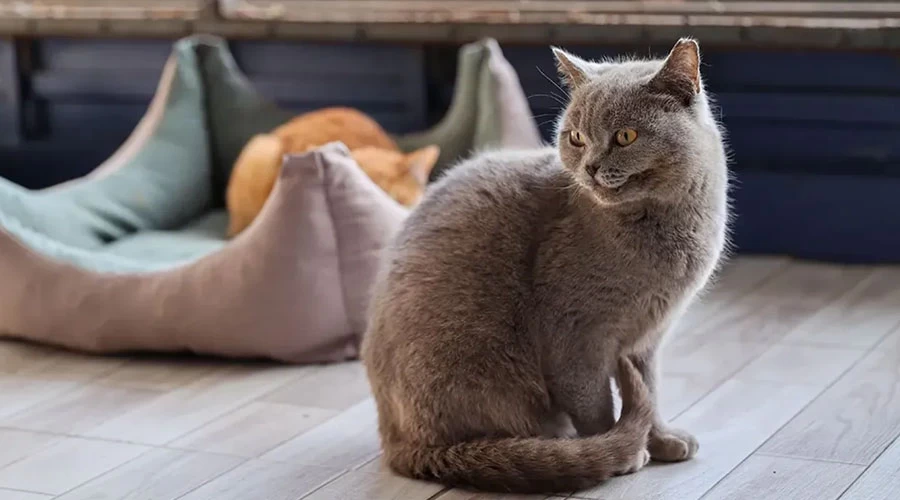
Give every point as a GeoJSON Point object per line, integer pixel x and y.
{"type": "Point", "coordinates": [546, 122]}
{"type": "Point", "coordinates": [555, 97]}
{"type": "Point", "coordinates": [553, 82]}
{"type": "Point", "coordinates": [559, 97]}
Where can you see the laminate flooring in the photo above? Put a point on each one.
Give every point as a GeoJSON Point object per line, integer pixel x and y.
{"type": "Point", "coordinates": [787, 371]}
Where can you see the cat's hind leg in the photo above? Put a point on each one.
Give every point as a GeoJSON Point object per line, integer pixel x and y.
{"type": "Point", "coordinates": [581, 388]}
{"type": "Point", "coordinates": [666, 444]}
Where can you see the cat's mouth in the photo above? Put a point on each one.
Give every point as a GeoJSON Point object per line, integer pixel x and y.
{"type": "Point", "coordinates": [621, 190]}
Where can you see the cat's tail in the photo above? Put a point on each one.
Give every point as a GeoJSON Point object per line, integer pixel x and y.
{"type": "Point", "coordinates": [538, 465]}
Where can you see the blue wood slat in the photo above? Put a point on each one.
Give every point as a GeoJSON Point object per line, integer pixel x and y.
{"type": "Point", "coordinates": [39, 164]}
{"type": "Point", "coordinates": [284, 58]}
{"type": "Point", "coordinates": [803, 146]}
{"type": "Point", "coordinates": [812, 107]}
{"type": "Point", "coordinates": [803, 70]}
{"type": "Point", "coordinates": [385, 91]}
{"type": "Point", "coordinates": [100, 86]}
{"type": "Point", "coordinates": [92, 123]}
{"type": "Point", "coordinates": [59, 54]}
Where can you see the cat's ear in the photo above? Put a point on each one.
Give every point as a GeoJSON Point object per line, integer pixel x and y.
{"type": "Point", "coordinates": [421, 161]}
{"type": "Point", "coordinates": [572, 69]}
{"type": "Point", "coordinates": [680, 73]}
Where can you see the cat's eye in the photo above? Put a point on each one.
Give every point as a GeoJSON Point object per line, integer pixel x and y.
{"type": "Point", "coordinates": [576, 138]}
{"type": "Point", "coordinates": [626, 136]}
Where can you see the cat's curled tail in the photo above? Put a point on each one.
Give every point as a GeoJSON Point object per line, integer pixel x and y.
{"type": "Point", "coordinates": [541, 465]}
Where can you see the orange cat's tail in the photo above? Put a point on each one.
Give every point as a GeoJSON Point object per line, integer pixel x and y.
{"type": "Point", "coordinates": [252, 179]}
{"type": "Point", "coordinates": [539, 465]}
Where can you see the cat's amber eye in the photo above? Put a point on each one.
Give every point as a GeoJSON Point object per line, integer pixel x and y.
{"type": "Point", "coordinates": [576, 139]}
{"type": "Point", "coordinates": [626, 136]}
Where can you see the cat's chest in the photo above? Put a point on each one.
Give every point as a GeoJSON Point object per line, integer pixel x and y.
{"type": "Point", "coordinates": [630, 282]}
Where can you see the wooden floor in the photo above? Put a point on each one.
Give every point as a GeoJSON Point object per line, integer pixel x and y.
{"type": "Point", "coordinates": [788, 373]}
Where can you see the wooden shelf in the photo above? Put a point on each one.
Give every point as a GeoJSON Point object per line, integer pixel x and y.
{"type": "Point", "coordinates": [844, 24]}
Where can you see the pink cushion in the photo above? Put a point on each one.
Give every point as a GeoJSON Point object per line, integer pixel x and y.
{"type": "Point", "coordinates": [293, 287]}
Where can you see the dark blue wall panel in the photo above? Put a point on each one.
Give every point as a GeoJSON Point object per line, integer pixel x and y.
{"type": "Point", "coordinates": [842, 218]}
{"type": "Point", "coordinates": [385, 81]}
{"type": "Point", "coordinates": [83, 97]}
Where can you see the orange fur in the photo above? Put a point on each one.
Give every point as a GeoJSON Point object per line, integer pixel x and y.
{"type": "Point", "coordinates": [403, 176]}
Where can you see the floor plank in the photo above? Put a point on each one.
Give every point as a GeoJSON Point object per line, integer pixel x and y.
{"type": "Point", "coordinates": [799, 364]}
{"type": "Point", "coordinates": [881, 481]}
{"type": "Point", "coordinates": [79, 410]}
{"type": "Point", "coordinates": [66, 463]}
{"type": "Point", "coordinates": [781, 304]}
{"type": "Point", "coordinates": [264, 480]}
{"type": "Point", "coordinates": [347, 441]}
{"type": "Point", "coordinates": [19, 392]}
{"type": "Point", "coordinates": [17, 444]}
{"type": "Point", "coordinates": [741, 276]}
{"type": "Point", "coordinates": [767, 477]}
{"type": "Point", "coordinates": [737, 279]}
{"type": "Point", "coordinates": [357, 484]}
{"type": "Point", "coordinates": [55, 364]}
{"type": "Point", "coordinates": [855, 419]}
{"type": "Point", "coordinates": [317, 388]}
{"type": "Point", "coordinates": [157, 475]}
{"type": "Point", "coordinates": [860, 319]}
{"type": "Point", "coordinates": [21, 495]}
{"type": "Point", "coordinates": [162, 374]}
{"type": "Point", "coordinates": [254, 429]}
{"type": "Point", "coordinates": [730, 424]}
{"type": "Point", "coordinates": [747, 327]}
{"type": "Point", "coordinates": [183, 410]}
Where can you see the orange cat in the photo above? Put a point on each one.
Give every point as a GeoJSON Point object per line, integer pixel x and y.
{"type": "Point", "coordinates": [403, 176]}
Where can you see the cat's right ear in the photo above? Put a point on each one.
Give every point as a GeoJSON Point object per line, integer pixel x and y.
{"type": "Point", "coordinates": [572, 69]}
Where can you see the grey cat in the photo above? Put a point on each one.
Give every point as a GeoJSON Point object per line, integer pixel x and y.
{"type": "Point", "coordinates": [524, 281]}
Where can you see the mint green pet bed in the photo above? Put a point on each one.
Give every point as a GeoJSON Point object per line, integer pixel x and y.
{"type": "Point", "coordinates": [133, 257]}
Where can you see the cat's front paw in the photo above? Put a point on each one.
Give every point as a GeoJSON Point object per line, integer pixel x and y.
{"type": "Point", "coordinates": [672, 445]}
{"type": "Point", "coordinates": [640, 460]}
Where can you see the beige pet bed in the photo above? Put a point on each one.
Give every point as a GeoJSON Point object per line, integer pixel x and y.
{"type": "Point", "coordinates": [133, 256]}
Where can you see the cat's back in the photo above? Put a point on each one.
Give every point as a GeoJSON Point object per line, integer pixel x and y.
{"type": "Point", "coordinates": [472, 240]}
{"type": "Point", "coordinates": [495, 196]}
{"type": "Point", "coordinates": [350, 126]}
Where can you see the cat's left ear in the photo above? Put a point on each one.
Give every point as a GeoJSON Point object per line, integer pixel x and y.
{"type": "Point", "coordinates": [421, 161]}
{"type": "Point", "coordinates": [680, 73]}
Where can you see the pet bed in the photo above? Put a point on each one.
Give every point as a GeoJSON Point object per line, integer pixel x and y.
{"type": "Point", "coordinates": [133, 257]}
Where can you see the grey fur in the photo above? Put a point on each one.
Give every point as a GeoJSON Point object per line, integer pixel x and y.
{"type": "Point", "coordinates": [523, 276]}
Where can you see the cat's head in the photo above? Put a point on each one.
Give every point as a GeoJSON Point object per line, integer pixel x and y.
{"type": "Point", "coordinates": [403, 176]}
{"type": "Point", "coordinates": [637, 129]}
